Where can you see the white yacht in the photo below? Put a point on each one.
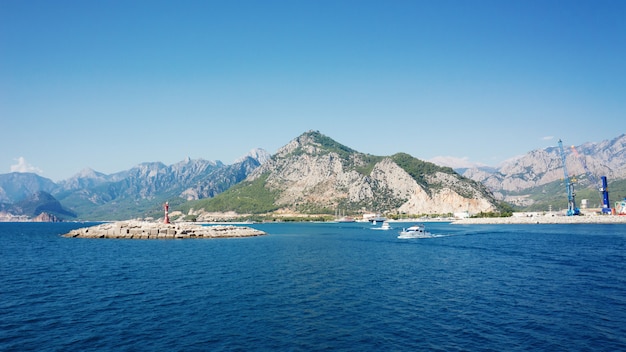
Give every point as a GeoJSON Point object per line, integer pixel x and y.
{"type": "Point", "coordinates": [415, 231]}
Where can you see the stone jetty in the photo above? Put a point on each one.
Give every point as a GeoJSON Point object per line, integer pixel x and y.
{"type": "Point", "coordinates": [152, 230]}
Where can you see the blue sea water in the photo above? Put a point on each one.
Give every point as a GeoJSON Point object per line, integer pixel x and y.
{"type": "Point", "coordinates": [312, 287]}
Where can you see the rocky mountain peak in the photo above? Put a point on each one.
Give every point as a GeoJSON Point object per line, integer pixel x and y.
{"type": "Point", "coordinates": [314, 171]}
{"type": "Point", "coordinates": [313, 143]}
{"type": "Point", "coordinates": [88, 173]}
{"type": "Point", "coordinates": [258, 154]}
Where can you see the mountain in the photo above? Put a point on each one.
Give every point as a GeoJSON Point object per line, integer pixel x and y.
{"type": "Point", "coordinates": [258, 154]}
{"type": "Point", "coordinates": [16, 186]}
{"type": "Point", "coordinates": [222, 178]}
{"type": "Point", "coordinates": [136, 192]}
{"type": "Point", "coordinates": [41, 203]}
{"type": "Point", "coordinates": [142, 190]}
{"type": "Point", "coordinates": [87, 178]}
{"type": "Point", "coordinates": [313, 174]}
{"type": "Point", "coordinates": [527, 179]}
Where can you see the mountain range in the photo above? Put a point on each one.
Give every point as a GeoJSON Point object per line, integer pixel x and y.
{"type": "Point", "coordinates": [131, 193]}
{"type": "Point", "coordinates": [525, 180]}
{"type": "Point", "coordinates": [313, 174]}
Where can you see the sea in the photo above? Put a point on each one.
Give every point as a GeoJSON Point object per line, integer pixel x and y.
{"type": "Point", "coordinates": [317, 287]}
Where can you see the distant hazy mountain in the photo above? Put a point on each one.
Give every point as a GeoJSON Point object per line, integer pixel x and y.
{"type": "Point", "coordinates": [258, 154]}
{"type": "Point", "coordinates": [39, 203]}
{"type": "Point", "coordinates": [17, 186]}
{"type": "Point", "coordinates": [315, 174]}
{"type": "Point", "coordinates": [87, 178]}
{"type": "Point", "coordinates": [130, 193]}
{"type": "Point", "coordinates": [145, 187]}
{"type": "Point", "coordinates": [515, 179]}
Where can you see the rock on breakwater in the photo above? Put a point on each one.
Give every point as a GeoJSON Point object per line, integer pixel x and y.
{"type": "Point", "coordinates": [151, 230]}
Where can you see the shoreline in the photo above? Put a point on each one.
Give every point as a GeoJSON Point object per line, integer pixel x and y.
{"type": "Point", "coordinates": [594, 219]}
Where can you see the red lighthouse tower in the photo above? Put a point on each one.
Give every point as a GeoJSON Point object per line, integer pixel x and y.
{"type": "Point", "coordinates": [166, 219]}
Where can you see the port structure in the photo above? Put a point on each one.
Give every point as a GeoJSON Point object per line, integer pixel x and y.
{"type": "Point", "coordinates": [603, 185]}
{"type": "Point", "coordinates": [569, 186]}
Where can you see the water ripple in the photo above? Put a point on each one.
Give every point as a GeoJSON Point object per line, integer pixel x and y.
{"type": "Point", "coordinates": [313, 287]}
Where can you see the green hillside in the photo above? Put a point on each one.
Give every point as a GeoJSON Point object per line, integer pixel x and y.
{"type": "Point", "coordinates": [418, 168]}
{"type": "Point", "coordinates": [250, 197]}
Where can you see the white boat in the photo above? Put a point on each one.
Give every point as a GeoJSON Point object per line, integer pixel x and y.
{"type": "Point", "coordinates": [415, 231]}
{"type": "Point", "coordinates": [385, 226]}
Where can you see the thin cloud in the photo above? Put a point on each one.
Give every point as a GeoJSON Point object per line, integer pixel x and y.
{"type": "Point", "coordinates": [547, 138]}
{"type": "Point", "coordinates": [23, 166]}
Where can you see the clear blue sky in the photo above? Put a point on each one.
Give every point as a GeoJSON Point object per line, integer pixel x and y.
{"type": "Point", "coordinates": [110, 84]}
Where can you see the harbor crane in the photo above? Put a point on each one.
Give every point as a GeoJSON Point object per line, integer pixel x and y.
{"type": "Point", "coordinates": [603, 186]}
{"type": "Point", "coordinates": [569, 186]}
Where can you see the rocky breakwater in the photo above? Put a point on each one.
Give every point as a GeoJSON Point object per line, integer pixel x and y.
{"type": "Point", "coordinates": [151, 230]}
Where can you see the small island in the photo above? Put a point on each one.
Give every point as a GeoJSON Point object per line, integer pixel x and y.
{"type": "Point", "coordinates": [151, 230]}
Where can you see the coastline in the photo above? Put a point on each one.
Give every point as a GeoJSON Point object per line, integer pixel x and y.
{"type": "Point", "coordinates": [593, 219]}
